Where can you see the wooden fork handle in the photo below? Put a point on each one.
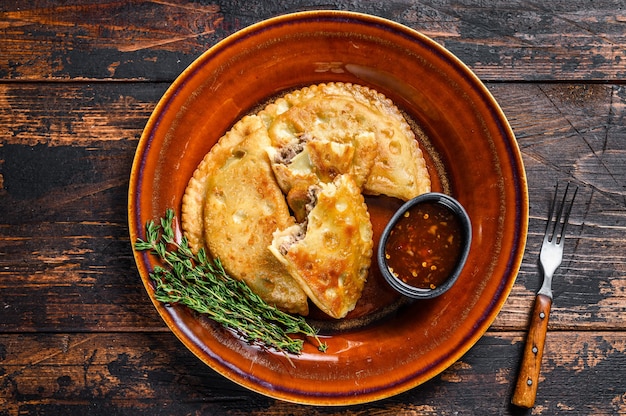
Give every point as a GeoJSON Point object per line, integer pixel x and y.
{"type": "Point", "coordinates": [526, 389]}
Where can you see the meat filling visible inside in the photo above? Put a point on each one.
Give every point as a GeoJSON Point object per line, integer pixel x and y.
{"type": "Point", "coordinates": [292, 239]}
{"type": "Point", "coordinates": [286, 153]}
{"type": "Point", "coordinates": [299, 230]}
{"type": "Point", "coordinates": [312, 194]}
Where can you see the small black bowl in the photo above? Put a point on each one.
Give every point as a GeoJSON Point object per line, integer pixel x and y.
{"type": "Point", "coordinates": [455, 208]}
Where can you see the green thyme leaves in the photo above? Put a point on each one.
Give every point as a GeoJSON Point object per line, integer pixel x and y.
{"type": "Point", "coordinates": [201, 284]}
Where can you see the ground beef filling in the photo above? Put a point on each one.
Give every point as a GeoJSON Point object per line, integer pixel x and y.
{"type": "Point", "coordinates": [286, 153]}
{"type": "Point", "coordinates": [300, 229]}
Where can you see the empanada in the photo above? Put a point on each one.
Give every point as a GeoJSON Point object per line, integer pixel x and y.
{"type": "Point", "coordinates": [330, 254]}
{"type": "Point", "coordinates": [241, 208]}
{"type": "Point", "coordinates": [386, 157]}
{"type": "Point", "coordinates": [321, 139]}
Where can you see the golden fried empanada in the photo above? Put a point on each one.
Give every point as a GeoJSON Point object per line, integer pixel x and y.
{"type": "Point", "coordinates": [387, 159]}
{"type": "Point", "coordinates": [310, 154]}
{"type": "Point", "coordinates": [319, 139]}
{"type": "Point", "coordinates": [330, 254]}
{"type": "Point", "coordinates": [242, 206]}
{"type": "Point", "coordinates": [193, 199]}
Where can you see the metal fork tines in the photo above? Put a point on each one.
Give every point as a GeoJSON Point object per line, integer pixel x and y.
{"type": "Point", "coordinates": [551, 254]}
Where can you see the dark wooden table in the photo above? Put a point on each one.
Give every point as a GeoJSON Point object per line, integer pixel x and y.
{"type": "Point", "coordinates": [78, 334]}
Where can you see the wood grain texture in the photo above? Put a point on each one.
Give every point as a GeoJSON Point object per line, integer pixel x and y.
{"type": "Point", "coordinates": [156, 40]}
{"type": "Point", "coordinates": [152, 374]}
{"type": "Point", "coordinates": [576, 132]}
{"type": "Point", "coordinates": [78, 334]}
{"type": "Point", "coordinates": [528, 377]}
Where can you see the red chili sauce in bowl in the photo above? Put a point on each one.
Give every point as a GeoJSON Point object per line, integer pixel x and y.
{"type": "Point", "coordinates": [425, 245]}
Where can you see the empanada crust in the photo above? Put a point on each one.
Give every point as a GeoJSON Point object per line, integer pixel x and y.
{"type": "Point", "coordinates": [387, 159]}
{"type": "Point", "coordinates": [241, 208]}
{"type": "Point", "coordinates": [331, 262]}
{"type": "Point", "coordinates": [252, 192]}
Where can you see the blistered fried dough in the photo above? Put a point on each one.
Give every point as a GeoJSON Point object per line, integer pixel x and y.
{"type": "Point", "coordinates": [319, 139]}
{"type": "Point", "coordinates": [242, 207]}
{"type": "Point", "coordinates": [330, 254]}
{"type": "Point", "coordinates": [386, 159]}
{"type": "Point", "coordinates": [193, 199]}
{"type": "Point", "coordinates": [399, 168]}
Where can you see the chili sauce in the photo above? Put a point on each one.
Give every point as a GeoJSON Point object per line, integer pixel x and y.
{"type": "Point", "coordinates": [425, 244]}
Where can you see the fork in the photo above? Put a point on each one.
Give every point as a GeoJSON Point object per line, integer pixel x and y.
{"type": "Point", "coordinates": [550, 258]}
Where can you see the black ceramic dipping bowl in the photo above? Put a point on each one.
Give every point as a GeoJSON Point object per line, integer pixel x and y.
{"type": "Point", "coordinates": [418, 217]}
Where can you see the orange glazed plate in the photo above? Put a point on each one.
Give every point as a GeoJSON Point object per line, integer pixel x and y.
{"type": "Point", "coordinates": [386, 345]}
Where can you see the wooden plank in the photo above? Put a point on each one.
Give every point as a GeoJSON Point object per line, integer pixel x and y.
{"type": "Point", "coordinates": [155, 40]}
{"type": "Point", "coordinates": [56, 114]}
{"type": "Point", "coordinates": [574, 132]}
{"type": "Point", "coordinates": [65, 159]}
{"type": "Point", "coordinates": [105, 40]}
{"type": "Point", "coordinates": [546, 40]}
{"type": "Point", "coordinates": [148, 373]}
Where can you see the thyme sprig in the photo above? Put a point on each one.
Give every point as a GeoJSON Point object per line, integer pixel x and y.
{"type": "Point", "coordinates": [200, 283]}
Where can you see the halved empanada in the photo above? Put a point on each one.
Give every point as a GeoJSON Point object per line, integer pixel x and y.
{"type": "Point", "coordinates": [387, 159]}
{"type": "Point", "coordinates": [330, 254]}
{"type": "Point", "coordinates": [320, 139]}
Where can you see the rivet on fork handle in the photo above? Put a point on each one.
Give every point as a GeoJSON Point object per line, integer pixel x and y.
{"type": "Point", "coordinates": [526, 389]}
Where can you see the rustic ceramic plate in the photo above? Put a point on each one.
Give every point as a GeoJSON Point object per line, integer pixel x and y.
{"type": "Point", "coordinates": [384, 347]}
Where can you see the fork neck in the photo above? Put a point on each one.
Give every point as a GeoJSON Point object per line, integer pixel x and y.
{"type": "Point", "coordinates": [546, 287]}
